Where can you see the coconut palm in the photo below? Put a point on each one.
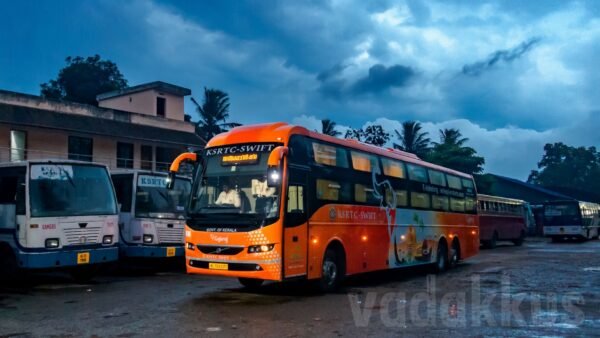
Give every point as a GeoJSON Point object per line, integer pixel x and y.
{"type": "Point", "coordinates": [214, 113]}
{"type": "Point", "coordinates": [412, 139]}
{"type": "Point", "coordinates": [328, 128]}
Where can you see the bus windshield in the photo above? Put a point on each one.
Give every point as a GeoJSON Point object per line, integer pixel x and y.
{"type": "Point", "coordinates": [70, 190]}
{"type": "Point", "coordinates": [154, 200]}
{"type": "Point", "coordinates": [562, 214]}
{"type": "Point", "coordinates": [231, 185]}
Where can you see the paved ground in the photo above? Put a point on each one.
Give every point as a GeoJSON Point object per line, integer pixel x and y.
{"type": "Point", "coordinates": [538, 290]}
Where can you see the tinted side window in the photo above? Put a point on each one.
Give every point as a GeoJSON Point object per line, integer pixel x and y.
{"type": "Point", "coordinates": [12, 188]}
{"type": "Point", "coordinates": [124, 189]}
{"type": "Point", "coordinates": [417, 173]}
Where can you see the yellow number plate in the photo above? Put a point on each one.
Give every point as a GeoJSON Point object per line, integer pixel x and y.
{"type": "Point", "coordinates": [83, 258]}
{"type": "Point", "coordinates": [218, 266]}
{"type": "Point", "coordinates": [170, 252]}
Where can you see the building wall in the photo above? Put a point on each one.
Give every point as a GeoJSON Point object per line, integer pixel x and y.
{"type": "Point", "coordinates": [145, 103]}
{"type": "Point", "coordinates": [48, 144]}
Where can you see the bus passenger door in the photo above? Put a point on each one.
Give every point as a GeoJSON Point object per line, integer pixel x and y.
{"type": "Point", "coordinates": [295, 237]}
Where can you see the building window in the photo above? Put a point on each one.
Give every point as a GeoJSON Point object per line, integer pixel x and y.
{"type": "Point", "coordinates": [147, 157]}
{"type": "Point", "coordinates": [81, 148]}
{"type": "Point", "coordinates": [164, 157]}
{"type": "Point", "coordinates": [124, 155]}
{"type": "Point", "coordinates": [161, 104]}
{"type": "Point", "coordinates": [18, 145]}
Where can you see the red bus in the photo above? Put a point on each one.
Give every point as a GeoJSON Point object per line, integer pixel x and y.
{"type": "Point", "coordinates": [501, 218]}
{"type": "Point", "coordinates": [279, 202]}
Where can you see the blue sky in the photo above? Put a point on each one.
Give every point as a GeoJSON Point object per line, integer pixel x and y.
{"type": "Point", "coordinates": [512, 75]}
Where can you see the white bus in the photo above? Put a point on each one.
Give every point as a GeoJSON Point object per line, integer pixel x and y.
{"type": "Point", "coordinates": [151, 217]}
{"type": "Point", "coordinates": [57, 214]}
{"type": "Point", "coordinates": [571, 219]}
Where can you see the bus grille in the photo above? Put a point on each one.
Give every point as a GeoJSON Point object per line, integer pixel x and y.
{"type": "Point", "coordinates": [170, 235]}
{"type": "Point", "coordinates": [83, 236]}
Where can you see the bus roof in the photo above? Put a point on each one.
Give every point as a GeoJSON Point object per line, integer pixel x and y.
{"type": "Point", "coordinates": [281, 132]}
{"type": "Point", "coordinates": [50, 161]}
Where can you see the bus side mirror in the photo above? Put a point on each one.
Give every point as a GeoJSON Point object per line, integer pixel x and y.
{"type": "Point", "coordinates": [174, 169]}
{"type": "Point", "coordinates": [274, 173]}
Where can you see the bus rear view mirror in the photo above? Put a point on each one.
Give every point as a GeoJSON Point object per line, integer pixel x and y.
{"type": "Point", "coordinates": [274, 166]}
{"type": "Point", "coordinates": [174, 169]}
{"type": "Point", "coordinates": [170, 180]}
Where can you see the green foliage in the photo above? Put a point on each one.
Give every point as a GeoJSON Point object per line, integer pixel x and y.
{"type": "Point", "coordinates": [450, 152]}
{"type": "Point", "coordinates": [568, 167]}
{"type": "Point", "coordinates": [82, 79]}
{"type": "Point", "coordinates": [373, 134]}
{"type": "Point", "coordinates": [328, 128]}
{"type": "Point", "coordinates": [213, 112]}
{"type": "Point", "coordinates": [412, 139]}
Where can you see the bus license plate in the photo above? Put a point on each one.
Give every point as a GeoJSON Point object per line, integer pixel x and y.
{"type": "Point", "coordinates": [218, 266]}
{"type": "Point", "coordinates": [170, 252]}
{"type": "Point", "coordinates": [83, 258]}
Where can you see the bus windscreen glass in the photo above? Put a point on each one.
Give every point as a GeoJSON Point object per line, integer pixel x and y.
{"type": "Point", "coordinates": [562, 214]}
{"type": "Point", "coordinates": [70, 190]}
{"type": "Point", "coordinates": [154, 200]}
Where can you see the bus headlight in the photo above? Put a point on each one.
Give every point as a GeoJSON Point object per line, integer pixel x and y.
{"type": "Point", "coordinates": [52, 243]}
{"type": "Point", "coordinates": [260, 248]}
{"type": "Point", "coordinates": [108, 239]}
{"type": "Point", "coordinates": [148, 238]}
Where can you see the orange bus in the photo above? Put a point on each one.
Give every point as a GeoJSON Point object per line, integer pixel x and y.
{"type": "Point", "coordinates": [279, 202]}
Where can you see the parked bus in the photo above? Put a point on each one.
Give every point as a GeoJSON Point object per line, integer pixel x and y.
{"type": "Point", "coordinates": [57, 214]}
{"type": "Point", "coordinates": [151, 218]}
{"type": "Point", "coordinates": [279, 202]}
{"type": "Point", "coordinates": [571, 219]}
{"type": "Point", "coordinates": [501, 219]}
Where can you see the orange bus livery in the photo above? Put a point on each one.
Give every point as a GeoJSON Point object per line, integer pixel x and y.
{"type": "Point", "coordinates": [278, 202]}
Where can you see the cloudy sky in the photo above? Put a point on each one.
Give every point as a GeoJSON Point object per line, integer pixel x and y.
{"type": "Point", "coordinates": [511, 75]}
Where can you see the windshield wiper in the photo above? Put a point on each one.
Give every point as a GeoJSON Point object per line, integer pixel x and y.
{"type": "Point", "coordinates": [67, 174]}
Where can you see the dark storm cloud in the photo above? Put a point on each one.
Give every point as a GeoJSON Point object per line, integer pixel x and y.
{"type": "Point", "coordinates": [381, 78]}
{"type": "Point", "coordinates": [331, 72]}
{"type": "Point", "coordinates": [507, 55]}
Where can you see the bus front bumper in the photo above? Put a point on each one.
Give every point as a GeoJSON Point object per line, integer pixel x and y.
{"type": "Point", "coordinates": [563, 230]}
{"type": "Point", "coordinates": [150, 251]}
{"type": "Point", "coordinates": [67, 257]}
{"type": "Point", "coordinates": [261, 269]}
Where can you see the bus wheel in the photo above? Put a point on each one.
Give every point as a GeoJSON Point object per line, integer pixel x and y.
{"type": "Point", "coordinates": [441, 260]}
{"type": "Point", "coordinates": [556, 239]}
{"type": "Point", "coordinates": [84, 274]}
{"type": "Point", "coordinates": [454, 254]}
{"type": "Point", "coordinates": [494, 241]}
{"type": "Point", "coordinates": [331, 271]}
{"type": "Point", "coordinates": [251, 283]}
{"type": "Point", "coordinates": [519, 241]}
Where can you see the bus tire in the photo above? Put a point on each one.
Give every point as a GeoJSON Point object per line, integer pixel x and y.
{"type": "Point", "coordinates": [519, 241]}
{"type": "Point", "coordinates": [556, 239]}
{"type": "Point", "coordinates": [251, 283]}
{"type": "Point", "coordinates": [441, 259]}
{"type": "Point", "coordinates": [332, 270]}
{"type": "Point", "coordinates": [84, 274]}
{"type": "Point", "coordinates": [494, 241]}
{"type": "Point", "coordinates": [454, 253]}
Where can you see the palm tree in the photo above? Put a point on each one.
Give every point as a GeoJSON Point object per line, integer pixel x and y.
{"type": "Point", "coordinates": [452, 137]}
{"type": "Point", "coordinates": [328, 128]}
{"type": "Point", "coordinates": [213, 112]}
{"type": "Point", "coordinates": [412, 139]}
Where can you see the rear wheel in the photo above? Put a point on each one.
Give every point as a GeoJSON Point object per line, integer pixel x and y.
{"type": "Point", "coordinates": [251, 283]}
{"type": "Point", "coordinates": [494, 241]}
{"type": "Point", "coordinates": [556, 239]}
{"type": "Point", "coordinates": [331, 271]}
{"type": "Point", "coordinates": [454, 254]}
{"type": "Point", "coordinates": [519, 241]}
{"type": "Point", "coordinates": [441, 260]}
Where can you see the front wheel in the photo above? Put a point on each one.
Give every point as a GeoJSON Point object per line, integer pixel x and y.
{"type": "Point", "coordinates": [251, 283]}
{"type": "Point", "coordinates": [441, 260]}
{"type": "Point", "coordinates": [519, 241]}
{"type": "Point", "coordinates": [330, 272]}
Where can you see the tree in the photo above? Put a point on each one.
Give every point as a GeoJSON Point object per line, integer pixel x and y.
{"type": "Point", "coordinates": [82, 79]}
{"type": "Point", "coordinates": [213, 112]}
{"type": "Point", "coordinates": [373, 134]}
{"type": "Point", "coordinates": [328, 128]}
{"type": "Point", "coordinates": [412, 139]}
{"type": "Point", "coordinates": [568, 167]}
{"type": "Point", "coordinates": [450, 152]}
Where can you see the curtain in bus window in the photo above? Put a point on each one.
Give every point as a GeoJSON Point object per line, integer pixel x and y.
{"type": "Point", "coordinates": [401, 197]}
{"type": "Point", "coordinates": [295, 199]}
{"type": "Point", "coordinates": [419, 200]}
{"type": "Point", "coordinates": [454, 182]}
{"type": "Point", "coordinates": [437, 178]}
{"type": "Point", "coordinates": [328, 190]}
{"type": "Point", "coordinates": [393, 168]}
{"type": "Point", "coordinates": [365, 194]}
{"type": "Point", "coordinates": [363, 162]}
{"type": "Point", "coordinates": [457, 204]}
{"type": "Point", "coordinates": [324, 154]}
{"type": "Point", "coordinates": [440, 202]}
{"type": "Point", "coordinates": [417, 173]}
